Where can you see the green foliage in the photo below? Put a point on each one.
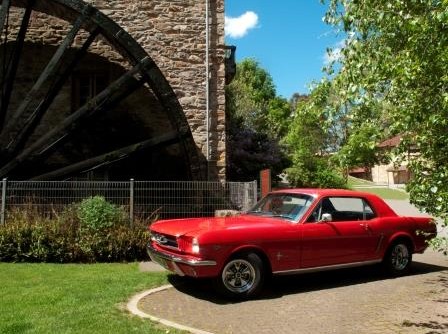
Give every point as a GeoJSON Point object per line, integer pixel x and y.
{"type": "Point", "coordinates": [31, 237]}
{"type": "Point", "coordinates": [328, 178]}
{"type": "Point", "coordinates": [440, 245]}
{"type": "Point", "coordinates": [308, 143]}
{"type": "Point", "coordinates": [256, 121]}
{"type": "Point", "coordinates": [317, 174]}
{"type": "Point", "coordinates": [250, 152]}
{"type": "Point", "coordinates": [361, 148]}
{"type": "Point", "coordinates": [278, 117]}
{"type": "Point", "coordinates": [396, 57]}
{"type": "Point", "coordinates": [96, 213]}
{"type": "Point", "coordinates": [249, 94]}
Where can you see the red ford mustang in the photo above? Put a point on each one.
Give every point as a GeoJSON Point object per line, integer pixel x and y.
{"type": "Point", "coordinates": [287, 232]}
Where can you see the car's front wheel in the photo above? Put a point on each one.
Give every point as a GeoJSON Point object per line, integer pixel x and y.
{"type": "Point", "coordinates": [398, 258]}
{"type": "Point", "coordinates": [242, 276]}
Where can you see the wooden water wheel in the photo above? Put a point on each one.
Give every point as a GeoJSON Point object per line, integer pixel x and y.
{"type": "Point", "coordinates": [39, 141]}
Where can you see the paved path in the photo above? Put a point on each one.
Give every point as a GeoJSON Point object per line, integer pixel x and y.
{"type": "Point", "coordinates": [360, 300]}
{"type": "Point", "coordinates": [357, 301]}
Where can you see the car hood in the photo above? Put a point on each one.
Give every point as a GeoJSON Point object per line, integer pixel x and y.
{"type": "Point", "coordinates": [193, 226]}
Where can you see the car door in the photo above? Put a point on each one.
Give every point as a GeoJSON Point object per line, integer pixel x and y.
{"type": "Point", "coordinates": [338, 232]}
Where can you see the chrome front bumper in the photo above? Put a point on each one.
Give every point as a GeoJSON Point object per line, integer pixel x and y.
{"type": "Point", "coordinates": [171, 262]}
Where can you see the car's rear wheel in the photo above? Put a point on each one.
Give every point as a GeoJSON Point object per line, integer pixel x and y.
{"type": "Point", "coordinates": [242, 277]}
{"type": "Point", "coordinates": [398, 258]}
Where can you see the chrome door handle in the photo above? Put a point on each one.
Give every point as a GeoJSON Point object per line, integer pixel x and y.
{"type": "Point", "coordinates": [365, 226]}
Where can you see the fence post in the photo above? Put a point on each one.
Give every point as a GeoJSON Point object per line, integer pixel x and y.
{"type": "Point", "coordinates": [255, 194]}
{"type": "Point", "coordinates": [131, 202]}
{"type": "Point", "coordinates": [246, 197]}
{"type": "Point", "coordinates": [3, 208]}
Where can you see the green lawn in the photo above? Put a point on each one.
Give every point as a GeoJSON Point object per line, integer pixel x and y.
{"type": "Point", "coordinates": [353, 182]}
{"type": "Point", "coordinates": [370, 187]}
{"type": "Point", "coordinates": [386, 193]}
{"type": "Point", "coordinates": [73, 298]}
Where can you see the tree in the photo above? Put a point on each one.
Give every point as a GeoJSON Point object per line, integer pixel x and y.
{"type": "Point", "coordinates": [308, 142]}
{"type": "Point", "coordinates": [256, 120]}
{"type": "Point", "coordinates": [249, 152]}
{"type": "Point", "coordinates": [361, 149]}
{"type": "Point", "coordinates": [396, 54]}
{"type": "Point", "coordinates": [249, 95]}
{"type": "Point", "coordinates": [295, 99]}
{"type": "Point", "coordinates": [278, 117]}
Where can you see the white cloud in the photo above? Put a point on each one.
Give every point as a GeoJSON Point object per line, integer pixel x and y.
{"type": "Point", "coordinates": [335, 53]}
{"type": "Point", "coordinates": [237, 27]}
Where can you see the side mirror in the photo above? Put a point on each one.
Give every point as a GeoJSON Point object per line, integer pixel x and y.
{"type": "Point", "coordinates": [326, 217]}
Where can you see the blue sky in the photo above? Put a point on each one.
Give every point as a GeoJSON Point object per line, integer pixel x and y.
{"type": "Point", "coordinates": [288, 38]}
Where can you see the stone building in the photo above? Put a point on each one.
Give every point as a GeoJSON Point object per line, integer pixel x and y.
{"type": "Point", "coordinates": [395, 173]}
{"type": "Point", "coordinates": [142, 134]}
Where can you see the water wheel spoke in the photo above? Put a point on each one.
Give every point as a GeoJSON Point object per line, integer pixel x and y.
{"type": "Point", "coordinates": [28, 136]}
{"type": "Point", "coordinates": [108, 98]}
{"type": "Point", "coordinates": [4, 10]}
{"type": "Point", "coordinates": [55, 74]}
{"type": "Point", "coordinates": [12, 65]}
{"type": "Point", "coordinates": [162, 89]}
{"type": "Point", "coordinates": [33, 120]}
{"type": "Point", "coordinates": [113, 156]}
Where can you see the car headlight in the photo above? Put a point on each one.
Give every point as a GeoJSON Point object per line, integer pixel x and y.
{"type": "Point", "coordinates": [195, 246]}
{"type": "Point", "coordinates": [188, 244]}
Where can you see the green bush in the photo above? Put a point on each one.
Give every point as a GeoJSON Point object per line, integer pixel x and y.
{"type": "Point", "coordinates": [30, 237]}
{"type": "Point", "coordinates": [326, 178]}
{"type": "Point", "coordinates": [315, 174]}
{"type": "Point", "coordinates": [96, 213]}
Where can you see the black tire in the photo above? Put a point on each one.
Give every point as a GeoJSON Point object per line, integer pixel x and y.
{"type": "Point", "coordinates": [398, 258]}
{"type": "Point", "coordinates": [242, 277]}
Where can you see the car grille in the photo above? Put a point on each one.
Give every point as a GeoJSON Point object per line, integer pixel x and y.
{"type": "Point", "coordinates": [165, 240]}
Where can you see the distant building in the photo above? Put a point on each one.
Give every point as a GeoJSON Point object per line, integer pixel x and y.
{"type": "Point", "coordinates": [360, 173]}
{"type": "Point", "coordinates": [392, 174]}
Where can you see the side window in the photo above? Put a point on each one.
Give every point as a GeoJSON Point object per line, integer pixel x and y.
{"type": "Point", "coordinates": [368, 211]}
{"type": "Point", "coordinates": [342, 209]}
{"type": "Point", "coordinates": [315, 216]}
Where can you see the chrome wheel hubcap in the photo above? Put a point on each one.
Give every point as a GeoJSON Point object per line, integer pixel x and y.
{"type": "Point", "coordinates": [238, 276]}
{"type": "Point", "coordinates": [400, 257]}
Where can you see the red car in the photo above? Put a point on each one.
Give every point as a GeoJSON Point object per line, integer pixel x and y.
{"type": "Point", "coordinates": [288, 232]}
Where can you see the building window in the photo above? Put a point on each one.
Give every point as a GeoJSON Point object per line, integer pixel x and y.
{"type": "Point", "coordinates": [87, 85]}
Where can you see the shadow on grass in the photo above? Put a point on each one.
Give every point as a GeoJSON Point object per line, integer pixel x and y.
{"type": "Point", "coordinates": [279, 286]}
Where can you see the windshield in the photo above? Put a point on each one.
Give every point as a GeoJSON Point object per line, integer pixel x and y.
{"type": "Point", "coordinates": [288, 206]}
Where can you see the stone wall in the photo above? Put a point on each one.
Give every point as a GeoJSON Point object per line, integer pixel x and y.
{"type": "Point", "coordinates": [173, 34]}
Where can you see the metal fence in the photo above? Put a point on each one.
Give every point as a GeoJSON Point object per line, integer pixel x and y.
{"type": "Point", "coordinates": [141, 199]}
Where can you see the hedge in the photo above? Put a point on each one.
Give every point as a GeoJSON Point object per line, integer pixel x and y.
{"type": "Point", "coordinates": [91, 231]}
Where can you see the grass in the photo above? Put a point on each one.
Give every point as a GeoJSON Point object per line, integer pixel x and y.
{"type": "Point", "coordinates": [356, 182]}
{"type": "Point", "coordinates": [386, 193]}
{"type": "Point", "coordinates": [370, 187]}
{"type": "Point", "coordinates": [73, 298]}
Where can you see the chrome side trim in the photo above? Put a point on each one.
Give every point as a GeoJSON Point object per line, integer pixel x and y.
{"type": "Point", "coordinates": [380, 243]}
{"type": "Point", "coordinates": [324, 268]}
{"type": "Point", "coordinates": [152, 252]}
